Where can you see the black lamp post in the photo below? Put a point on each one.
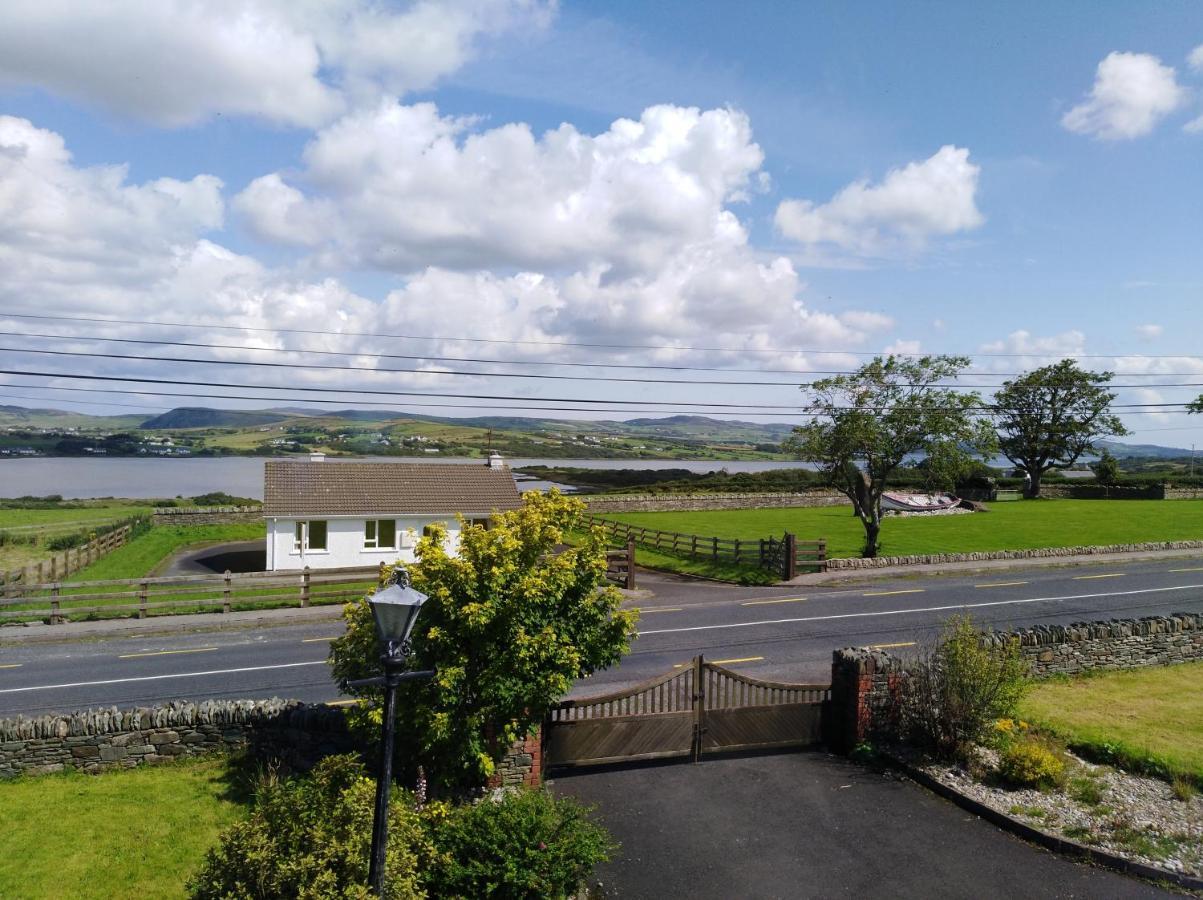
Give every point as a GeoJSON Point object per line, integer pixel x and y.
{"type": "Point", "coordinates": [395, 609]}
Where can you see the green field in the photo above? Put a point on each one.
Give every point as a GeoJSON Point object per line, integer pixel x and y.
{"type": "Point", "coordinates": [47, 523]}
{"type": "Point", "coordinates": [144, 554]}
{"type": "Point", "coordinates": [131, 833]}
{"type": "Point", "coordinates": [1148, 719]}
{"type": "Point", "coordinates": [1006, 526]}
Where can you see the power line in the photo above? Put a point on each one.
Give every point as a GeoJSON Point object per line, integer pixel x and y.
{"type": "Point", "coordinates": [548, 343]}
{"type": "Point", "coordinates": [511, 362]}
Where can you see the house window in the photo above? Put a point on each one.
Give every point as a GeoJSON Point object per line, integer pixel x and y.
{"type": "Point", "coordinates": [380, 534]}
{"type": "Point", "coordinates": [309, 535]}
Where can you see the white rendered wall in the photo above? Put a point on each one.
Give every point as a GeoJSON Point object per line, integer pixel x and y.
{"type": "Point", "coordinates": [344, 543]}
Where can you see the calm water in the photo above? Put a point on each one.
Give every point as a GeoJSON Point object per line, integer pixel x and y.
{"type": "Point", "coordinates": [243, 476]}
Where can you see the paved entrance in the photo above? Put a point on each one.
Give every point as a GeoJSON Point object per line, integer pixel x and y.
{"type": "Point", "coordinates": [804, 825]}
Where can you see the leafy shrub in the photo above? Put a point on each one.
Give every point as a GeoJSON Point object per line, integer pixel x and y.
{"type": "Point", "coordinates": [957, 690]}
{"type": "Point", "coordinates": [1030, 763]}
{"type": "Point", "coordinates": [9, 538]}
{"type": "Point", "coordinates": [221, 498]}
{"type": "Point", "coordinates": [310, 838]}
{"type": "Point", "coordinates": [523, 844]}
{"type": "Point", "coordinates": [67, 541]}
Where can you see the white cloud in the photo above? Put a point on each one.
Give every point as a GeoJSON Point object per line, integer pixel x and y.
{"type": "Point", "coordinates": [1039, 350]}
{"type": "Point", "coordinates": [1195, 60]}
{"type": "Point", "coordinates": [1132, 92]}
{"type": "Point", "coordinates": [1149, 332]}
{"type": "Point", "coordinates": [401, 187]}
{"type": "Point", "coordinates": [921, 200]}
{"type": "Point", "coordinates": [902, 348]}
{"type": "Point", "coordinates": [175, 62]}
{"type": "Point", "coordinates": [864, 320]}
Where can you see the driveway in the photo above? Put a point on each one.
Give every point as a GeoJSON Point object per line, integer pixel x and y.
{"type": "Point", "coordinates": [808, 825]}
{"type": "Point", "coordinates": [237, 556]}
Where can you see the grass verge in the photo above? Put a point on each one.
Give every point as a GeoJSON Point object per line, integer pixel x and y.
{"type": "Point", "coordinates": [1149, 721]}
{"type": "Point", "coordinates": [141, 555]}
{"type": "Point", "coordinates": [1006, 526]}
{"type": "Point", "coordinates": [129, 833]}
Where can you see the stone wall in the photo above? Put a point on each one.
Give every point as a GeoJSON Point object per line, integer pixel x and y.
{"type": "Point", "coordinates": [600, 504]}
{"type": "Point", "coordinates": [213, 515]}
{"type": "Point", "coordinates": [882, 562]}
{"type": "Point", "coordinates": [1118, 644]}
{"type": "Point", "coordinates": [522, 765]}
{"type": "Point", "coordinates": [866, 684]}
{"type": "Point", "coordinates": [110, 738]}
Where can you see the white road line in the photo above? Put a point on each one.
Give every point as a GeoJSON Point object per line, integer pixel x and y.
{"type": "Point", "coordinates": [76, 684]}
{"type": "Point", "coordinates": [925, 609]}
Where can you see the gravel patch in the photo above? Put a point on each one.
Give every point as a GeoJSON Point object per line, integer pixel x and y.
{"type": "Point", "coordinates": [1132, 816]}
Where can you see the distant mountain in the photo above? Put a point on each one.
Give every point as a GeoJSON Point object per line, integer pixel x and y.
{"type": "Point", "coordinates": [1141, 451]}
{"type": "Point", "coordinates": [203, 417]}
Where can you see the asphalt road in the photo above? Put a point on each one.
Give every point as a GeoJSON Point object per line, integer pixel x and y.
{"type": "Point", "coordinates": [785, 634]}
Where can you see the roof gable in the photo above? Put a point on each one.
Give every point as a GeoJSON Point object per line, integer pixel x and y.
{"type": "Point", "coordinates": [371, 488]}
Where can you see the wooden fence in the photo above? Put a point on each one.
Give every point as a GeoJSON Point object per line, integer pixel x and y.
{"type": "Point", "coordinates": [58, 602]}
{"type": "Point", "coordinates": [620, 566]}
{"type": "Point", "coordinates": [62, 565]}
{"type": "Point", "coordinates": [783, 556]}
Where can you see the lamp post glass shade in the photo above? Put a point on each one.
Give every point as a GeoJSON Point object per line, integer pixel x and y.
{"type": "Point", "coordinates": [396, 609]}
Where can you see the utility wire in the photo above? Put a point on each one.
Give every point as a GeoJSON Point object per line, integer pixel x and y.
{"type": "Point", "coordinates": [461, 339]}
{"type": "Point", "coordinates": [510, 362]}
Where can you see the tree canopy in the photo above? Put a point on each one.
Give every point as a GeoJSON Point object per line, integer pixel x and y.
{"type": "Point", "coordinates": [866, 424]}
{"type": "Point", "coordinates": [1052, 415]}
{"type": "Point", "coordinates": [512, 621]}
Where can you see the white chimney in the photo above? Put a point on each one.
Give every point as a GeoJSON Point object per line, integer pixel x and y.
{"type": "Point", "coordinates": [495, 461]}
{"type": "Point", "coordinates": [317, 456]}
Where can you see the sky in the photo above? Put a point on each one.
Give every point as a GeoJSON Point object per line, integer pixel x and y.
{"type": "Point", "coordinates": [508, 186]}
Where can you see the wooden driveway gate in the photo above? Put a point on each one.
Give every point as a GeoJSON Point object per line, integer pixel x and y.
{"type": "Point", "coordinates": [701, 708]}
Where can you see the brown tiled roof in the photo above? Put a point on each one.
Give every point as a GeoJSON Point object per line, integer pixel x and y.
{"type": "Point", "coordinates": [331, 488]}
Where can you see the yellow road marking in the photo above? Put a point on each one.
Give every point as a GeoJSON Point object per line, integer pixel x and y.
{"type": "Point", "coordinates": [11, 666]}
{"type": "Point", "coordinates": [891, 593]}
{"type": "Point", "coordinates": [724, 662]}
{"type": "Point", "coordinates": [1088, 577]}
{"type": "Point", "coordinates": [659, 609]}
{"type": "Point", "coordinates": [318, 640]}
{"type": "Point", "coordinates": [889, 646]}
{"type": "Point", "coordinates": [1196, 569]}
{"type": "Point", "coordinates": [165, 652]}
{"type": "Point", "coordinates": [767, 602]}
{"type": "Point", "coordinates": [1000, 584]}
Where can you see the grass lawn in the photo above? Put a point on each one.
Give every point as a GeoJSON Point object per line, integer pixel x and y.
{"type": "Point", "coordinates": [46, 523]}
{"type": "Point", "coordinates": [1147, 719]}
{"type": "Point", "coordinates": [1007, 526]}
{"type": "Point", "coordinates": [131, 833]}
{"type": "Point", "coordinates": [144, 553]}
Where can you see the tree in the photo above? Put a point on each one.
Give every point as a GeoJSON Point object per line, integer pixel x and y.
{"type": "Point", "coordinates": [867, 423]}
{"type": "Point", "coordinates": [511, 623]}
{"type": "Point", "coordinates": [1106, 470]}
{"type": "Point", "coordinates": [1051, 416]}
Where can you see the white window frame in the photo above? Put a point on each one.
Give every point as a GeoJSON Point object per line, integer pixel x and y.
{"type": "Point", "coordinates": [300, 537]}
{"type": "Point", "coordinates": [371, 535]}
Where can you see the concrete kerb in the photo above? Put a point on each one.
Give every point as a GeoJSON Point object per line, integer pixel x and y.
{"type": "Point", "coordinates": [194, 623]}
{"type": "Point", "coordinates": [848, 576]}
{"type": "Point", "coordinates": [1052, 842]}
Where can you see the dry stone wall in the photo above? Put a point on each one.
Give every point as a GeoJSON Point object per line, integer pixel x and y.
{"type": "Point", "coordinates": [212, 515]}
{"type": "Point", "coordinates": [882, 562]}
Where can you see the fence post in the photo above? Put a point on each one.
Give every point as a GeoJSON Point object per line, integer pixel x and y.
{"type": "Point", "coordinates": [822, 554]}
{"type": "Point", "coordinates": [699, 707]}
{"type": "Point", "coordinates": [693, 547]}
{"type": "Point", "coordinates": [55, 610]}
{"type": "Point", "coordinates": [41, 580]}
{"type": "Point", "coordinates": [630, 565]}
{"type": "Point", "coordinates": [737, 551]}
{"type": "Point", "coordinates": [226, 591]}
{"type": "Point", "coordinates": [791, 556]}
{"type": "Point", "coordinates": [54, 567]}
{"type": "Point", "coordinates": [714, 549]}
{"type": "Point", "coordinates": [305, 588]}
{"type": "Point", "coordinates": [143, 589]}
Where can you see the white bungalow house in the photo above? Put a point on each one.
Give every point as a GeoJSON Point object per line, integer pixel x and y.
{"type": "Point", "coordinates": [325, 515]}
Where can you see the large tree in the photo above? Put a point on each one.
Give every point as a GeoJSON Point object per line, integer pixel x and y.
{"type": "Point", "coordinates": [1051, 416]}
{"type": "Point", "coordinates": [512, 621]}
{"type": "Point", "coordinates": [866, 424]}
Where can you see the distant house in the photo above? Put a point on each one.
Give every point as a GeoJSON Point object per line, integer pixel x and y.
{"type": "Point", "coordinates": [326, 515]}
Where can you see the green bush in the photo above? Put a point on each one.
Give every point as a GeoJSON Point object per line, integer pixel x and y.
{"type": "Point", "coordinates": [309, 838]}
{"type": "Point", "coordinates": [523, 844]}
{"type": "Point", "coordinates": [958, 689]}
{"type": "Point", "coordinates": [1030, 763]}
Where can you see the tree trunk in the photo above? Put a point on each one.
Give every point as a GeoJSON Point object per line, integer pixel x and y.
{"type": "Point", "coordinates": [1033, 487]}
{"type": "Point", "coordinates": [872, 530]}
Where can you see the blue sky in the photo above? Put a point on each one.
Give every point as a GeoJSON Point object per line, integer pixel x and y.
{"type": "Point", "coordinates": [1015, 182]}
